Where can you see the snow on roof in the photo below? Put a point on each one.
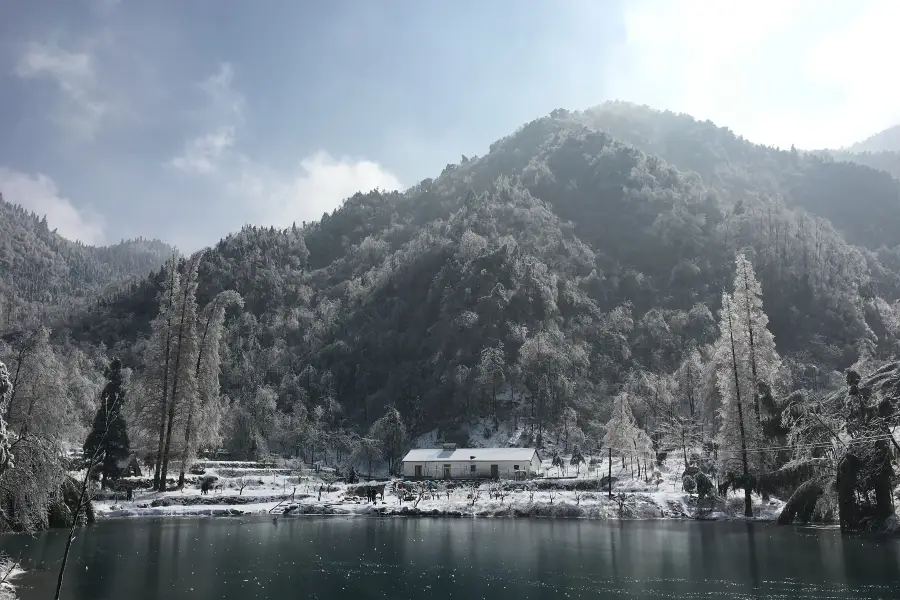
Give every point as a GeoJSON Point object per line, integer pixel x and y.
{"type": "Point", "coordinates": [466, 454]}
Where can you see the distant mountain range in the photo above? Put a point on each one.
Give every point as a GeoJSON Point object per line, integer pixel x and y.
{"type": "Point", "coordinates": [884, 141]}
{"type": "Point", "coordinates": [42, 274]}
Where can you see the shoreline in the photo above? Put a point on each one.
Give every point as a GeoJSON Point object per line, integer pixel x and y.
{"type": "Point", "coordinates": [642, 507]}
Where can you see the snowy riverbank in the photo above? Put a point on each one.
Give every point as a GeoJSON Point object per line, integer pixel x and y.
{"type": "Point", "coordinates": [245, 490]}
{"type": "Point", "coordinates": [9, 573]}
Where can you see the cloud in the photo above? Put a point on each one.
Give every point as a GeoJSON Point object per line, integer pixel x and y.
{"type": "Point", "coordinates": [777, 71]}
{"type": "Point", "coordinates": [74, 74]}
{"type": "Point", "coordinates": [270, 196]}
{"type": "Point", "coordinates": [38, 193]}
{"type": "Point", "coordinates": [319, 185]}
{"type": "Point", "coordinates": [224, 102]}
{"type": "Point", "coordinates": [203, 154]}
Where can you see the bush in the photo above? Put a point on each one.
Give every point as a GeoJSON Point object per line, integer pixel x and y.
{"type": "Point", "coordinates": [688, 484]}
{"type": "Point", "coordinates": [704, 485]}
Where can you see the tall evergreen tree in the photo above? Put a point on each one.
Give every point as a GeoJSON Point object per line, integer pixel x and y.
{"type": "Point", "coordinates": [184, 374]}
{"type": "Point", "coordinates": [753, 325]}
{"type": "Point", "coordinates": [204, 417]}
{"type": "Point", "coordinates": [108, 439]}
{"type": "Point", "coordinates": [735, 385]}
{"type": "Point", "coordinates": [621, 429]}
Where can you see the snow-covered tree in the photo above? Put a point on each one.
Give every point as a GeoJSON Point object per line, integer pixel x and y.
{"type": "Point", "coordinates": [643, 447]}
{"type": "Point", "coordinates": [204, 417]}
{"type": "Point", "coordinates": [492, 371]}
{"type": "Point", "coordinates": [391, 432]}
{"type": "Point", "coordinates": [184, 374]}
{"type": "Point", "coordinates": [366, 452]}
{"type": "Point", "coordinates": [158, 359]}
{"type": "Point", "coordinates": [738, 430]}
{"type": "Point", "coordinates": [621, 429]}
{"type": "Point", "coordinates": [6, 458]}
{"type": "Point", "coordinates": [752, 324]}
{"type": "Point", "coordinates": [577, 459]}
{"type": "Point", "coordinates": [689, 381]}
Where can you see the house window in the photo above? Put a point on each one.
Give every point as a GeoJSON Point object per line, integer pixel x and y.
{"type": "Point", "coordinates": [447, 471]}
{"type": "Point", "coordinates": [471, 468]}
{"type": "Point", "coordinates": [515, 467]}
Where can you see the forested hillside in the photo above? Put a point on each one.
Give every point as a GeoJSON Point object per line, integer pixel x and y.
{"type": "Point", "coordinates": [589, 264]}
{"type": "Point", "coordinates": [584, 253]}
{"type": "Point", "coordinates": [43, 274]}
{"type": "Point", "coordinates": [883, 141]}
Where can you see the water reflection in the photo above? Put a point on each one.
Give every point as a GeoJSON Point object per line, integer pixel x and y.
{"type": "Point", "coordinates": [457, 558]}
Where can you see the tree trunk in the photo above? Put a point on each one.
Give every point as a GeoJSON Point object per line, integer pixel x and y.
{"type": "Point", "coordinates": [748, 506]}
{"type": "Point", "coordinates": [690, 390]}
{"type": "Point", "coordinates": [188, 428]}
{"type": "Point", "coordinates": [165, 389]}
{"type": "Point", "coordinates": [609, 483]}
{"type": "Point", "coordinates": [15, 383]}
{"type": "Point", "coordinates": [178, 354]}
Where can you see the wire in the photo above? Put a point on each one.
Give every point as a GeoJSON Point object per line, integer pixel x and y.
{"type": "Point", "coordinates": [810, 445]}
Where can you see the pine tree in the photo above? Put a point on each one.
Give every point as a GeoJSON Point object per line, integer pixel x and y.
{"type": "Point", "coordinates": [491, 371]}
{"type": "Point", "coordinates": [577, 460]}
{"type": "Point", "coordinates": [734, 381]}
{"type": "Point", "coordinates": [621, 429]}
{"type": "Point", "coordinates": [752, 323]}
{"type": "Point", "coordinates": [108, 439]}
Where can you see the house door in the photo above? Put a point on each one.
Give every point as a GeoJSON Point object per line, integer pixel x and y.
{"type": "Point", "coordinates": [418, 470]}
{"type": "Point", "coordinates": [446, 471]}
{"type": "Point", "coordinates": [495, 471]}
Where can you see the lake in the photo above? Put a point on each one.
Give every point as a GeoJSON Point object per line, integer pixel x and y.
{"type": "Point", "coordinates": [501, 559]}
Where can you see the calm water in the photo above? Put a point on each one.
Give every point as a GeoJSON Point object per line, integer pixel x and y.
{"type": "Point", "coordinates": [500, 559]}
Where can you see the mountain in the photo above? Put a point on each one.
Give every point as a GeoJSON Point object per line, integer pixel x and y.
{"type": "Point", "coordinates": [583, 250]}
{"type": "Point", "coordinates": [43, 274]}
{"type": "Point", "coordinates": [883, 141]}
{"type": "Point", "coordinates": [880, 151]}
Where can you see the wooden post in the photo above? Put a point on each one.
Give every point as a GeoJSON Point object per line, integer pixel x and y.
{"type": "Point", "coordinates": [609, 483]}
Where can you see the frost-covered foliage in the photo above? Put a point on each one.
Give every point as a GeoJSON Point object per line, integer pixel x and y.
{"type": "Point", "coordinates": [6, 457]}
{"type": "Point", "coordinates": [745, 356]}
{"type": "Point", "coordinates": [623, 437]}
{"type": "Point", "coordinates": [580, 259]}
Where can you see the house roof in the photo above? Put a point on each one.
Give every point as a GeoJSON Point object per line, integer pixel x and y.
{"type": "Point", "coordinates": [466, 454]}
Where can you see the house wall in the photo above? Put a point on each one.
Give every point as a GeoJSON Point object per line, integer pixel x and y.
{"type": "Point", "coordinates": [462, 469]}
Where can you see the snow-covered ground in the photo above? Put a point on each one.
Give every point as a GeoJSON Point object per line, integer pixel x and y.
{"type": "Point", "coordinates": [7, 587]}
{"type": "Point", "coordinates": [279, 492]}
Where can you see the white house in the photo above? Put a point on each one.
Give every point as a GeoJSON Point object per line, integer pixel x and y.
{"type": "Point", "coordinates": [451, 462]}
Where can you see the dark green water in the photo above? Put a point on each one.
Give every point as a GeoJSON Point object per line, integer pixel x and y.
{"type": "Point", "coordinates": [500, 559]}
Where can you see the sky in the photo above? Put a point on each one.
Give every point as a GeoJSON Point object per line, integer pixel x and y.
{"type": "Point", "coordinates": [185, 119]}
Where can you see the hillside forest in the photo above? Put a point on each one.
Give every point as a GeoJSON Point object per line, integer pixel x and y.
{"type": "Point", "coordinates": [617, 279]}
